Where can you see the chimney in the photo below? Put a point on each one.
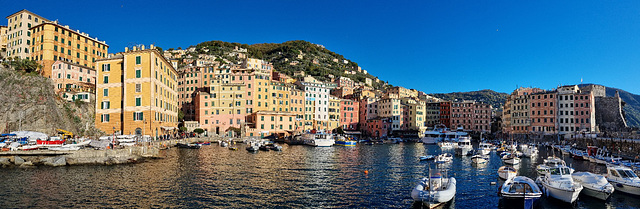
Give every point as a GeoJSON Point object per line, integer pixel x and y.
{"type": "Point", "coordinates": [142, 47]}
{"type": "Point", "coordinates": [151, 47]}
{"type": "Point", "coordinates": [134, 48]}
{"type": "Point", "coordinates": [126, 49]}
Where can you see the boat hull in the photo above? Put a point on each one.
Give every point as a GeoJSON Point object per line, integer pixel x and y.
{"type": "Point", "coordinates": [629, 189]}
{"type": "Point", "coordinates": [434, 199]}
{"type": "Point", "coordinates": [518, 201]}
{"type": "Point", "coordinates": [346, 143]}
{"type": "Point", "coordinates": [602, 195]}
{"type": "Point", "coordinates": [567, 196]}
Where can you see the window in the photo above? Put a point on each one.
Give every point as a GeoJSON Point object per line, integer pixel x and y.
{"type": "Point", "coordinates": [105, 105]}
{"type": "Point", "coordinates": [138, 87]}
{"type": "Point", "coordinates": [138, 60]}
{"type": "Point", "coordinates": [106, 79]}
{"type": "Point", "coordinates": [105, 92]}
{"type": "Point", "coordinates": [104, 118]}
{"type": "Point", "coordinates": [106, 67]}
{"type": "Point", "coordinates": [138, 101]}
{"type": "Point", "coordinates": [138, 73]}
{"type": "Point", "coordinates": [138, 116]}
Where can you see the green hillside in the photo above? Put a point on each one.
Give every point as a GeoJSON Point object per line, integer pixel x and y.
{"type": "Point", "coordinates": [496, 99]}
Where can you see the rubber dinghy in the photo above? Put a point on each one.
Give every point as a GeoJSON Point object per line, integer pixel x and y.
{"type": "Point", "coordinates": [434, 191]}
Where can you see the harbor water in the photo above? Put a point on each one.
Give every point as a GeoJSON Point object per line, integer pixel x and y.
{"type": "Point", "coordinates": [365, 176]}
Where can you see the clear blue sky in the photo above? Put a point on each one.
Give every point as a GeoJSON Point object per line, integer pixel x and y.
{"type": "Point", "coordinates": [433, 46]}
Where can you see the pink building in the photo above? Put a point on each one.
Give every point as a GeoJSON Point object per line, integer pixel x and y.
{"type": "Point", "coordinates": [349, 110]}
{"type": "Point", "coordinates": [73, 81]}
{"type": "Point", "coordinates": [378, 127]}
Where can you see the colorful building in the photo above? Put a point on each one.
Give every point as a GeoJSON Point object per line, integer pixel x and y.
{"type": "Point", "coordinates": [18, 36]}
{"type": "Point", "coordinates": [543, 112]}
{"type": "Point", "coordinates": [136, 93]}
{"type": "Point", "coordinates": [265, 123]}
{"type": "Point", "coordinates": [221, 108]}
{"type": "Point", "coordinates": [349, 110]}
{"type": "Point", "coordinates": [72, 81]}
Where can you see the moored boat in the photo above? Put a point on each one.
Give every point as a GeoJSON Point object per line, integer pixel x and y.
{"type": "Point", "coordinates": [479, 159]}
{"type": "Point", "coordinates": [594, 185]}
{"type": "Point", "coordinates": [188, 146]}
{"type": "Point", "coordinates": [551, 161]}
{"type": "Point", "coordinates": [506, 172]}
{"type": "Point", "coordinates": [342, 141]}
{"type": "Point", "coordinates": [557, 183]}
{"type": "Point", "coordinates": [321, 140]}
{"type": "Point", "coordinates": [52, 141]}
{"type": "Point", "coordinates": [435, 135]}
{"type": "Point", "coordinates": [427, 157]}
{"type": "Point", "coordinates": [511, 159]}
{"type": "Point", "coordinates": [520, 191]}
{"type": "Point", "coordinates": [464, 146]}
{"type": "Point", "coordinates": [444, 158]}
{"type": "Point", "coordinates": [623, 179]}
{"type": "Point", "coordinates": [434, 190]}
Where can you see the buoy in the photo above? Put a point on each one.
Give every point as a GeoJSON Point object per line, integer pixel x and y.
{"type": "Point", "coordinates": [366, 172]}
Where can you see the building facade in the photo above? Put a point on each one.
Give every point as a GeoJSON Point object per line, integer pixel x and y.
{"type": "Point", "coordinates": [19, 37]}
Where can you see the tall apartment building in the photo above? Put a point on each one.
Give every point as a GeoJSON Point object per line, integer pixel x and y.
{"type": "Point", "coordinates": [481, 117]}
{"type": "Point", "coordinates": [318, 94]}
{"type": "Point", "coordinates": [349, 110]}
{"type": "Point", "coordinates": [576, 110]}
{"type": "Point", "coordinates": [19, 36]}
{"type": "Point", "coordinates": [51, 42]}
{"type": "Point", "coordinates": [445, 113]}
{"type": "Point", "coordinates": [334, 113]}
{"type": "Point", "coordinates": [416, 109]}
{"type": "Point", "coordinates": [391, 108]}
{"type": "Point", "coordinates": [432, 117]}
{"type": "Point", "coordinates": [136, 93]}
{"type": "Point", "coordinates": [221, 108]}
{"type": "Point", "coordinates": [543, 112]}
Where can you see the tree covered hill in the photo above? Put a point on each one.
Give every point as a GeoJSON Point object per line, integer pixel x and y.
{"type": "Point", "coordinates": [290, 57]}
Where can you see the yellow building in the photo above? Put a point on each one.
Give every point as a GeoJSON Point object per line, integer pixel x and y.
{"type": "Point", "coordinates": [334, 113]}
{"type": "Point", "coordinates": [51, 42]}
{"type": "Point", "coordinates": [280, 96]}
{"type": "Point", "coordinates": [136, 93]}
{"type": "Point", "coordinates": [19, 37]}
{"type": "Point", "coordinates": [3, 40]}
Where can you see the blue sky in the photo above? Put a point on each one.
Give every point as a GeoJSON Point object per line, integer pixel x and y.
{"type": "Point", "coordinates": [432, 46]}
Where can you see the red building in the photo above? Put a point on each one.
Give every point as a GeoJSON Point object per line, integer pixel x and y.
{"type": "Point", "coordinates": [445, 113]}
{"type": "Point", "coordinates": [350, 114]}
{"type": "Point", "coordinates": [543, 112]}
{"type": "Point", "coordinates": [378, 127]}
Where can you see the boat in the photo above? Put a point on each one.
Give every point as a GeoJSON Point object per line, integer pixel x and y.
{"type": "Point", "coordinates": [188, 146]}
{"type": "Point", "coordinates": [464, 146]}
{"type": "Point", "coordinates": [298, 139]}
{"type": "Point", "coordinates": [252, 148]}
{"type": "Point", "coordinates": [321, 140]}
{"type": "Point", "coordinates": [224, 144]}
{"type": "Point", "coordinates": [594, 185]}
{"type": "Point", "coordinates": [623, 179]}
{"type": "Point", "coordinates": [435, 135]}
{"type": "Point", "coordinates": [204, 143]}
{"type": "Point", "coordinates": [507, 172]}
{"type": "Point", "coordinates": [29, 147]}
{"type": "Point", "coordinates": [451, 139]}
{"type": "Point", "coordinates": [434, 190]}
{"type": "Point", "coordinates": [52, 141]}
{"type": "Point", "coordinates": [427, 157]}
{"type": "Point", "coordinates": [550, 162]}
{"type": "Point", "coordinates": [234, 148]}
{"type": "Point", "coordinates": [479, 159]}
{"type": "Point", "coordinates": [557, 183]}
{"type": "Point", "coordinates": [511, 159]}
{"type": "Point", "coordinates": [484, 148]}
{"type": "Point", "coordinates": [342, 141]}
{"type": "Point", "coordinates": [126, 140]}
{"type": "Point", "coordinates": [520, 191]}
{"type": "Point", "coordinates": [444, 158]}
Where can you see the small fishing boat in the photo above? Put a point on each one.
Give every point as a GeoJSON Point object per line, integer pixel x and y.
{"type": "Point", "coordinates": [52, 141]}
{"type": "Point", "coordinates": [276, 148]}
{"type": "Point", "coordinates": [464, 146]}
{"type": "Point", "coordinates": [479, 159]}
{"type": "Point", "coordinates": [234, 148]}
{"type": "Point", "coordinates": [224, 144]}
{"type": "Point", "coordinates": [341, 141]}
{"type": "Point", "coordinates": [623, 179]}
{"type": "Point", "coordinates": [594, 185]}
{"type": "Point", "coordinates": [444, 158]}
{"type": "Point", "coordinates": [511, 159]}
{"type": "Point", "coordinates": [484, 148]}
{"type": "Point", "coordinates": [252, 148]}
{"type": "Point", "coordinates": [434, 190]}
{"type": "Point", "coordinates": [520, 191]}
{"type": "Point", "coordinates": [427, 157]}
{"type": "Point", "coordinates": [507, 172]}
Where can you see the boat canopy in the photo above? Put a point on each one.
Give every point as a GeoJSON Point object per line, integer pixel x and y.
{"type": "Point", "coordinates": [32, 135]}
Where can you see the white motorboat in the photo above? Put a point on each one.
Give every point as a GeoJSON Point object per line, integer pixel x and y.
{"type": "Point", "coordinates": [520, 191]}
{"type": "Point", "coordinates": [434, 191]}
{"type": "Point", "coordinates": [557, 183]}
{"type": "Point", "coordinates": [479, 159]}
{"type": "Point", "coordinates": [444, 158]}
{"type": "Point", "coordinates": [126, 140]}
{"type": "Point", "coordinates": [484, 148]}
{"type": "Point", "coordinates": [447, 144]}
{"type": "Point", "coordinates": [511, 159]}
{"type": "Point", "coordinates": [464, 145]}
{"type": "Point", "coordinates": [321, 140]}
{"type": "Point", "coordinates": [507, 172]}
{"type": "Point", "coordinates": [623, 179]}
{"type": "Point", "coordinates": [550, 162]}
{"type": "Point", "coordinates": [435, 135]}
{"type": "Point", "coordinates": [594, 185]}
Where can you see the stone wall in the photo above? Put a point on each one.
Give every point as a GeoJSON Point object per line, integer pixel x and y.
{"type": "Point", "coordinates": [610, 114]}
